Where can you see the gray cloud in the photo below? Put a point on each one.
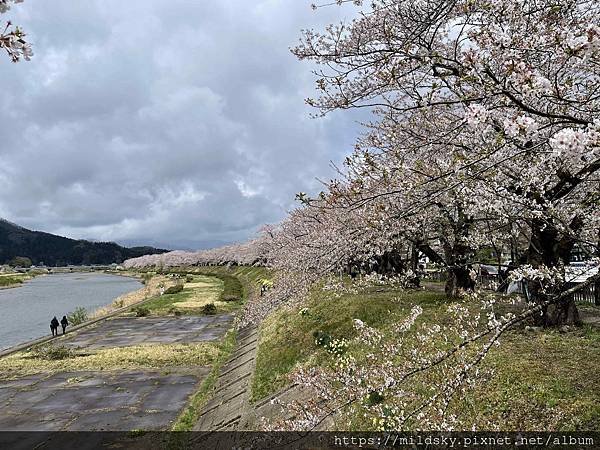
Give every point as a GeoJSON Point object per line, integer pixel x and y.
{"type": "Point", "coordinates": [174, 123]}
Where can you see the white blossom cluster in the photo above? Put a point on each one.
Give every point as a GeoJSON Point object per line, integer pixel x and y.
{"type": "Point", "coordinates": [12, 39]}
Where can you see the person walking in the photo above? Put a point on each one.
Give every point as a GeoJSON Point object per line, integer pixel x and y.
{"type": "Point", "coordinates": [64, 322]}
{"type": "Point", "coordinates": [54, 326]}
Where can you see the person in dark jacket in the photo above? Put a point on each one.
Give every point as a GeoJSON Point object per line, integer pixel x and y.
{"type": "Point", "coordinates": [64, 322]}
{"type": "Point", "coordinates": [54, 326]}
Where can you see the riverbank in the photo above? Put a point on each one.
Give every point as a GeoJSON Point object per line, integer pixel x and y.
{"type": "Point", "coordinates": [136, 370]}
{"type": "Point", "coordinates": [26, 312]}
{"type": "Point", "coordinates": [152, 287]}
{"type": "Point", "coordinates": [121, 304]}
{"type": "Point", "coordinates": [16, 279]}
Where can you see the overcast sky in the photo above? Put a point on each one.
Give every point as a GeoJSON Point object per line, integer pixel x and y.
{"type": "Point", "coordinates": [164, 122]}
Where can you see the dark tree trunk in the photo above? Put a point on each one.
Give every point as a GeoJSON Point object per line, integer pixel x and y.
{"type": "Point", "coordinates": [414, 266]}
{"type": "Point", "coordinates": [414, 258]}
{"type": "Point", "coordinates": [555, 315]}
{"type": "Point", "coordinates": [458, 282]}
{"type": "Point", "coordinates": [458, 256]}
{"type": "Point", "coordinates": [549, 248]}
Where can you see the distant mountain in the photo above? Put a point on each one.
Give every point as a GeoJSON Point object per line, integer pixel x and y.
{"type": "Point", "coordinates": [53, 250]}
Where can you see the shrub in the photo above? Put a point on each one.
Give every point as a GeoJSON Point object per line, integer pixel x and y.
{"type": "Point", "coordinates": [174, 289]}
{"type": "Point", "coordinates": [189, 279]}
{"type": "Point", "coordinates": [78, 316]}
{"type": "Point", "coordinates": [52, 352]}
{"type": "Point", "coordinates": [322, 339]}
{"type": "Point", "coordinates": [141, 311]}
{"type": "Point", "coordinates": [7, 281]}
{"type": "Point", "coordinates": [174, 310]}
{"type": "Point", "coordinates": [20, 261]}
{"type": "Point", "coordinates": [146, 277]}
{"type": "Point", "coordinates": [209, 309]}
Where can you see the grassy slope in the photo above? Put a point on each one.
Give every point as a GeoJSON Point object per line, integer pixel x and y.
{"type": "Point", "coordinates": [543, 380]}
{"type": "Point", "coordinates": [10, 280]}
{"type": "Point", "coordinates": [237, 281]}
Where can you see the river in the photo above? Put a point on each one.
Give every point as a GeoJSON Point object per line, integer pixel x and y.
{"type": "Point", "coordinates": [26, 311]}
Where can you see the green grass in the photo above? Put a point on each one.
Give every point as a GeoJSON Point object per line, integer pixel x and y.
{"type": "Point", "coordinates": [238, 281]}
{"type": "Point", "coordinates": [286, 337]}
{"type": "Point", "coordinates": [542, 380]}
{"type": "Point", "coordinates": [189, 417]}
{"type": "Point", "coordinates": [160, 305]}
{"type": "Point", "coordinates": [10, 280]}
{"type": "Point", "coordinates": [191, 300]}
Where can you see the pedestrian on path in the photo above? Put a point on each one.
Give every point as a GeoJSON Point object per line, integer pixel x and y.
{"type": "Point", "coordinates": [54, 326]}
{"type": "Point", "coordinates": [64, 322]}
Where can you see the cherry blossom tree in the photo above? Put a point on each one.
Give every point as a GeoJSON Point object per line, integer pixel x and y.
{"type": "Point", "coordinates": [512, 89]}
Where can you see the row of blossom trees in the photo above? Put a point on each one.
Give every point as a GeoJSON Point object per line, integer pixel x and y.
{"type": "Point", "coordinates": [485, 135]}
{"type": "Point", "coordinates": [247, 253]}
{"type": "Point", "coordinates": [486, 131]}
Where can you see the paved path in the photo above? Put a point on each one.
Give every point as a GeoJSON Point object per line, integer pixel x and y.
{"type": "Point", "coordinates": [98, 401]}
{"type": "Point", "coordinates": [115, 401]}
{"type": "Point", "coordinates": [127, 331]}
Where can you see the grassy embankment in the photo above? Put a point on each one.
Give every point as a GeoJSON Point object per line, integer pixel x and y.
{"type": "Point", "coordinates": [543, 380]}
{"type": "Point", "coordinates": [11, 280]}
{"type": "Point", "coordinates": [239, 282]}
{"type": "Point", "coordinates": [8, 280]}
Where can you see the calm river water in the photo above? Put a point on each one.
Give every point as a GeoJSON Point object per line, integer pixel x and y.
{"type": "Point", "coordinates": [26, 311]}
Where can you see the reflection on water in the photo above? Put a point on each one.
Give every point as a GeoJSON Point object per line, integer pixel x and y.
{"type": "Point", "coordinates": [26, 311]}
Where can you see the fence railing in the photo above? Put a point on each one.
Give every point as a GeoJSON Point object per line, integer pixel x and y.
{"type": "Point", "coordinates": [492, 282]}
{"type": "Point", "coordinates": [585, 295]}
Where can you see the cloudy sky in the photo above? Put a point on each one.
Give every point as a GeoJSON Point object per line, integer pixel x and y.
{"type": "Point", "coordinates": [177, 123]}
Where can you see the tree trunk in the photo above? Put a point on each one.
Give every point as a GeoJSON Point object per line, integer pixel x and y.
{"type": "Point", "coordinates": [458, 282]}
{"type": "Point", "coordinates": [555, 315]}
{"type": "Point", "coordinates": [548, 248]}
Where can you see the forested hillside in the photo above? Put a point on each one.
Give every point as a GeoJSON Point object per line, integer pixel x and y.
{"type": "Point", "coordinates": [54, 250]}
